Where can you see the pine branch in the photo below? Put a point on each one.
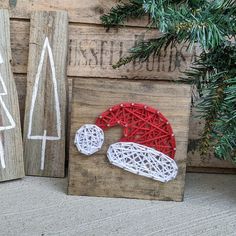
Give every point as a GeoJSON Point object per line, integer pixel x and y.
{"type": "Point", "coordinates": [122, 12]}
{"type": "Point", "coordinates": [209, 106]}
{"type": "Point", "coordinates": [197, 26]}
{"type": "Point", "coordinates": [225, 125]}
{"type": "Point", "coordinates": [144, 49]}
{"type": "Point", "coordinates": [183, 26]}
{"type": "Point", "coordinates": [218, 104]}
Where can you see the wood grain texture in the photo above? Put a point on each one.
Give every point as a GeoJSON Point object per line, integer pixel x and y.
{"type": "Point", "coordinates": [82, 11]}
{"type": "Point", "coordinates": [207, 163]}
{"type": "Point", "coordinates": [54, 26]}
{"type": "Point", "coordinates": [92, 51]}
{"type": "Point", "coordinates": [94, 175]}
{"type": "Point", "coordinates": [21, 81]}
{"type": "Point", "coordinates": [11, 139]}
{"type": "Point", "coordinates": [4, 4]}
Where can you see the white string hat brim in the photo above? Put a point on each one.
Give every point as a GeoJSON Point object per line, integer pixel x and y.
{"type": "Point", "coordinates": [142, 160]}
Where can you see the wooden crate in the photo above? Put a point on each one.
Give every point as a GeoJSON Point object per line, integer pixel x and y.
{"type": "Point", "coordinates": [92, 51]}
{"type": "Point", "coordinates": [84, 11]}
{"type": "Point", "coordinates": [94, 175]}
{"type": "Point", "coordinates": [90, 55]}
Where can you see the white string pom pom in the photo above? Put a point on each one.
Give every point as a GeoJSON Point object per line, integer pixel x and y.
{"type": "Point", "coordinates": [142, 160]}
{"type": "Point", "coordinates": [89, 139]}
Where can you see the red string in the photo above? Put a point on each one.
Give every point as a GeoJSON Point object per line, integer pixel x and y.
{"type": "Point", "coordinates": [142, 124]}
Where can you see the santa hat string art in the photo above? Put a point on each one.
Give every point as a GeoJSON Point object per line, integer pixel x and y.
{"type": "Point", "coordinates": [147, 147]}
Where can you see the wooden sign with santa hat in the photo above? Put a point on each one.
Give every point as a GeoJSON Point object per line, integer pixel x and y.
{"type": "Point", "coordinates": [128, 139]}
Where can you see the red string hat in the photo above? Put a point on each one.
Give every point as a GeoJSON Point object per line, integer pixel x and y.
{"type": "Point", "coordinates": [147, 146]}
{"type": "Point", "coordinates": [141, 124]}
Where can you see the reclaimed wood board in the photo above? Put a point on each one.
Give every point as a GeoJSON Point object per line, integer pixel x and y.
{"type": "Point", "coordinates": [207, 163]}
{"type": "Point", "coordinates": [20, 81]}
{"type": "Point", "coordinates": [11, 149]}
{"type": "Point", "coordinates": [79, 12]}
{"type": "Point", "coordinates": [94, 175]}
{"type": "Point", "coordinates": [46, 100]}
{"type": "Point", "coordinates": [92, 51]}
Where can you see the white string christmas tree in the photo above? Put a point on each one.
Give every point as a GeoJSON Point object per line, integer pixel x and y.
{"type": "Point", "coordinates": [44, 137]}
{"type": "Point", "coordinates": [9, 117]}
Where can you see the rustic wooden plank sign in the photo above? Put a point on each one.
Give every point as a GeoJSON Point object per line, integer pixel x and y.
{"type": "Point", "coordinates": [94, 175]}
{"type": "Point", "coordinates": [11, 149]}
{"type": "Point", "coordinates": [45, 111]}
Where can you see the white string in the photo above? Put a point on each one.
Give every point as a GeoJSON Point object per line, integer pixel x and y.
{"type": "Point", "coordinates": [142, 160]}
{"type": "Point", "coordinates": [12, 124]}
{"type": "Point", "coordinates": [45, 137]}
{"type": "Point", "coordinates": [89, 139]}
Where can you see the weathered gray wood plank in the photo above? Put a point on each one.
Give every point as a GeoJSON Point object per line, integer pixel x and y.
{"type": "Point", "coordinates": [46, 100]}
{"type": "Point", "coordinates": [207, 163]}
{"type": "Point", "coordinates": [11, 149]}
{"type": "Point", "coordinates": [92, 51]}
{"type": "Point", "coordinates": [84, 12]}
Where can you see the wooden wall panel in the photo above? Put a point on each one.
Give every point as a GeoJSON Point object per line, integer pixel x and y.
{"type": "Point", "coordinates": [20, 81]}
{"type": "Point", "coordinates": [92, 51]}
{"type": "Point", "coordinates": [81, 11]}
{"type": "Point", "coordinates": [208, 162]}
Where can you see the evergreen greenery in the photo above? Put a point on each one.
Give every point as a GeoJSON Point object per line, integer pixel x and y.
{"type": "Point", "coordinates": [211, 24]}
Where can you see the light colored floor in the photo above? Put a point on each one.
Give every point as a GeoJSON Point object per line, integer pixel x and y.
{"type": "Point", "coordinates": [40, 206]}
